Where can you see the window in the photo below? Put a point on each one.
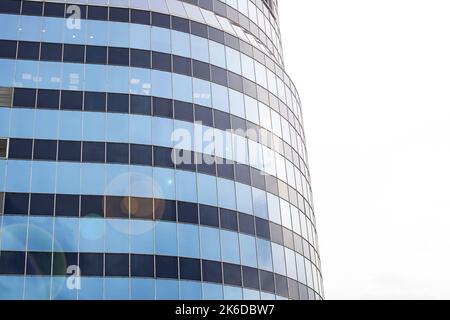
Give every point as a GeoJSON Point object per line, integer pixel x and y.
{"type": "Point", "coordinates": [28, 50]}
{"type": "Point", "coordinates": [24, 97]}
{"type": "Point", "coordinates": [142, 266]}
{"type": "Point", "coordinates": [39, 263]}
{"type": "Point", "coordinates": [161, 61]}
{"type": "Point", "coordinates": [276, 233]}
{"type": "Point", "coordinates": [10, 6]}
{"type": "Point", "coordinates": [183, 111]}
{"type": "Point", "coordinates": [141, 154]}
{"type": "Point", "coordinates": [20, 148]}
{"type": "Point", "coordinates": [250, 277]}
{"type": "Point", "coordinates": [204, 115]}
{"type": "Point", "coordinates": [201, 70]}
{"type": "Point", "coordinates": [117, 153]}
{"type": "Point", "coordinates": [243, 174]}
{"type": "Point", "coordinates": [118, 56]}
{"type": "Point", "coordinates": [209, 216]}
{"type": "Point", "coordinates": [182, 65]}
{"type": "Point", "coordinates": [212, 271]}
{"type": "Point", "coordinates": [12, 262]}
{"type": "Point", "coordinates": [16, 203]}
{"type": "Point", "coordinates": [180, 24]}
{"type": "Point", "coordinates": [96, 55]}
{"type": "Point", "coordinates": [219, 75]}
{"type": "Point", "coordinates": [162, 107]}
{"type": "Point", "coordinates": [8, 49]}
{"type": "Point", "coordinates": [44, 150]}
{"type": "Point", "coordinates": [118, 102]}
{"type": "Point", "coordinates": [67, 205]}
{"type": "Point", "coordinates": [71, 100]}
{"type": "Point", "coordinates": [190, 269]}
{"type": "Point", "coordinates": [92, 206]}
{"type": "Point", "coordinates": [281, 285]}
{"type": "Point", "coordinates": [3, 148]}
{"type": "Point", "coordinates": [232, 274]}
{"type": "Point", "coordinates": [246, 224]}
{"type": "Point", "coordinates": [267, 281]}
{"type": "Point", "coordinates": [140, 16]}
{"type": "Point", "coordinates": [54, 10]}
{"type": "Point", "coordinates": [222, 120]}
{"type": "Point", "coordinates": [42, 204]}
{"type": "Point", "coordinates": [228, 219]}
{"type": "Point", "coordinates": [93, 152]}
{"type": "Point", "coordinates": [97, 13]}
{"type": "Point", "coordinates": [262, 228]}
{"type": "Point", "coordinates": [48, 99]}
{"type": "Point", "coordinates": [91, 264]}
{"type": "Point", "coordinates": [140, 58]}
{"type": "Point", "coordinates": [188, 212]}
{"type": "Point", "coordinates": [166, 267]}
{"type": "Point", "coordinates": [140, 105]}
{"type": "Point", "coordinates": [162, 157]}
{"type": "Point", "coordinates": [161, 20]}
{"type": "Point", "coordinates": [165, 210]}
{"type": "Point", "coordinates": [73, 53]}
{"type": "Point", "coordinates": [119, 14]}
{"type": "Point", "coordinates": [95, 101]}
{"type": "Point", "coordinates": [2, 197]}
{"type": "Point", "coordinates": [116, 265]}
{"type": "Point", "coordinates": [69, 151]}
{"type": "Point", "coordinates": [117, 207]}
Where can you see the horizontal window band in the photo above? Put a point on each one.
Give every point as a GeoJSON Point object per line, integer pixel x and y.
{"type": "Point", "coordinates": [153, 209]}
{"type": "Point", "coordinates": [146, 266]}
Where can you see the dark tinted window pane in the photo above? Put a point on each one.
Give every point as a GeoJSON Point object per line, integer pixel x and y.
{"type": "Point", "coordinates": [118, 102]}
{"type": "Point", "coordinates": [249, 88]}
{"type": "Point", "coordinates": [165, 210]}
{"type": "Point", "coordinates": [166, 267]}
{"type": "Point", "coordinates": [8, 49]}
{"type": "Point", "coordinates": [72, 100]}
{"type": "Point", "coordinates": [162, 107]}
{"type": "Point", "coordinates": [206, 4]}
{"type": "Point", "coordinates": [71, 11]}
{"type": "Point", "coordinates": [61, 261]}
{"type": "Point", "coordinates": [271, 184]}
{"type": "Point", "coordinates": [117, 265]}
{"type": "Point", "coordinates": [267, 281]}
{"type": "Point", "coordinates": [182, 65]}
{"type": "Point", "coordinates": [73, 53]}
{"type": "Point", "coordinates": [142, 266]}
{"type": "Point", "coordinates": [94, 101]}
{"type": "Point", "coordinates": [199, 29]}
{"type": "Point", "coordinates": [200, 70]}
{"type": "Point", "coordinates": [281, 285]}
{"type": "Point", "coordinates": [96, 55]}
{"type": "Point", "coordinates": [32, 8]}
{"type": "Point", "coordinates": [67, 205]}
{"type": "Point", "coordinates": [44, 150]}
{"type": "Point", "coordinates": [140, 16]}
{"type": "Point", "coordinates": [92, 206]}
{"type": "Point", "coordinates": [258, 179]}
{"type": "Point", "coordinates": [190, 269]}
{"type": "Point", "coordinates": [204, 115]}
{"type": "Point", "coordinates": [262, 228]}
{"type": "Point", "coordinates": [141, 208]}
{"type": "Point", "coordinates": [93, 152]}
{"type": "Point", "coordinates": [161, 61]}
{"type": "Point", "coordinates": [242, 173]}
{"type": "Point", "coordinates": [276, 233]}
{"type": "Point", "coordinates": [216, 35]}
{"type": "Point", "coordinates": [51, 51]}
{"type": "Point", "coordinates": [228, 219]}
{"type": "Point", "coordinates": [225, 170]}
{"type": "Point", "coordinates": [160, 20]}
{"type": "Point", "coordinates": [206, 164]}
{"type": "Point", "coordinates": [119, 14]}
{"type": "Point", "coordinates": [48, 99]}
{"type": "Point", "coordinates": [28, 50]}
{"type": "Point", "coordinates": [222, 120]}
{"type": "Point", "coordinates": [54, 10]}
{"type": "Point", "coordinates": [118, 56]}
{"type": "Point", "coordinates": [162, 157]}
{"type": "Point", "coordinates": [117, 153]}
{"type": "Point", "coordinates": [209, 216]}
{"type": "Point", "coordinates": [293, 289]}
{"type": "Point", "coordinates": [180, 24]}
{"type": "Point", "coordinates": [288, 237]}
{"type": "Point", "coordinates": [183, 111]}
{"type": "Point", "coordinates": [97, 13]}
{"type": "Point", "coordinates": [232, 274]}
{"type": "Point", "coordinates": [16, 203]}
{"type": "Point", "coordinates": [117, 207]}
{"type": "Point", "coordinates": [39, 263]}
{"type": "Point", "coordinates": [141, 154]}
{"type": "Point", "coordinates": [185, 160]}
{"type": "Point", "coordinates": [235, 81]}
{"type": "Point", "coordinates": [250, 277]}
{"type": "Point", "coordinates": [91, 264]}
{"type": "Point", "coordinates": [238, 123]}
{"type": "Point", "coordinates": [219, 75]}
{"type": "Point", "coordinates": [140, 58]}
{"type": "Point", "coordinates": [12, 262]}
{"type": "Point", "coordinates": [10, 6]}
{"type": "Point", "coordinates": [188, 212]}
{"type": "Point", "coordinates": [20, 148]}
{"type": "Point", "coordinates": [246, 224]}
{"type": "Point", "coordinates": [69, 151]}
{"type": "Point", "coordinates": [212, 271]}
{"type": "Point", "coordinates": [42, 204]}
{"type": "Point", "coordinates": [140, 105]}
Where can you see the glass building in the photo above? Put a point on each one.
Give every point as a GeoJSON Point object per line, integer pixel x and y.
{"type": "Point", "coordinates": [151, 149]}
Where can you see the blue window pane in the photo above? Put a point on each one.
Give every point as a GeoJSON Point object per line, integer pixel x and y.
{"type": "Point", "coordinates": [50, 74]}
{"type": "Point", "coordinates": [248, 250]}
{"type": "Point", "coordinates": [180, 44]}
{"type": "Point", "coordinates": [186, 186]}
{"type": "Point", "coordinates": [188, 241]}
{"type": "Point", "coordinates": [68, 178]}
{"type": "Point", "coordinates": [248, 68]}
{"type": "Point", "coordinates": [97, 32]}
{"type": "Point", "coordinates": [118, 79]}
{"type": "Point", "coordinates": [54, 28]}
{"type": "Point", "coordinates": [291, 270]}
{"type": "Point", "coordinates": [117, 288]}
{"type": "Point", "coordinates": [162, 130]}
{"type": "Point", "coordinates": [141, 181]}
{"type": "Point", "coordinates": [74, 34]}
{"type": "Point", "coordinates": [251, 294]}
{"type": "Point", "coordinates": [274, 208]}
{"type": "Point", "coordinates": [7, 74]}
{"type": "Point", "coordinates": [14, 233]}
{"type": "Point", "coordinates": [140, 129]}
{"type": "Point", "coordinates": [37, 288]}
{"type": "Point", "coordinates": [70, 125]}
{"type": "Point", "coordinates": [237, 103]}
{"type": "Point", "coordinates": [260, 203]}
{"type": "Point", "coordinates": [117, 127]}
{"type": "Point", "coordinates": [301, 271]}
{"type": "Point", "coordinates": [212, 291]}
{"type": "Point", "coordinates": [217, 54]}
{"type": "Point", "coordinates": [40, 234]}
{"type": "Point", "coordinates": [72, 76]}
{"type": "Point", "coordinates": [91, 289]}
{"type": "Point", "coordinates": [166, 289]}
{"type": "Point", "coordinates": [93, 179]}
{"type": "Point", "coordinates": [46, 124]}
{"type": "Point", "coordinates": [141, 236]}
{"type": "Point", "coordinates": [267, 296]}
{"type": "Point", "coordinates": [12, 288]}
{"type": "Point", "coordinates": [94, 126]}
{"type": "Point", "coordinates": [140, 36]}
{"type": "Point", "coordinates": [230, 246]}
{"type": "Point", "coordinates": [2, 175]}
{"type": "Point", "coordinates": [264, 255]}
{"type": "Point", "coordinates": [226, 193]}
{"type": "Point", "coordinates": [4, 122]}
{"type": "Point", "coordinates": [60, 290]}
{"type": "Point", "coordinates": [163, 183]}
{"type": "Point", "coordinates": [142, 289]}
{"type": "Point", "coordinates": [116, 236]}
{"type": "Point", "coordinates": [66, 235]}
{"type": "Point", "coordinates": [166, 238]}
{"type": "Point", "coordinates": [244, 198]}
{"type": "Point", "coordinates": [202, 92]}
{"type": "Point", "coordinates": [207, 192]}
{"type": "Point", "coordinates": [22, 123]}
{"type": "Point", "coordinates": [30, 28]}
{"type": "Point", "coordinates": [200, 49]}
{"type": "Point", "coordinates": [219, 97]}
{"type": "Point", "coordinates": [92, 235]}
{"type": "Point", "coordinates": [161, 84]}
{"type": "Point", "coordinates": [182, 87]}
{"type": "Point", "coordinates": [140, 81]}
{"type": "Point", "coordinates": [183, 137]}
{"type": "Point", "coordinates": [117, 180]}
{"type": "Point", "coordinates": [279, 261]}
{"type": "Point", "coordinates": [233, 60]}
{"type": "Point", "coordinates": [232, 293]}
{"type": "Point", "coordinates": [190, 290]}
{"type": "Point", "coordinates": [8, 31]}
{"type": "Point", "coordinates": [119, 34]}
{"type": "Point", "coordinates": [160, 39]}
{"type": "Point", "coordinates": [96, 77]}
{"type": "Point", "coordinates": [210, 243]}
{"type": "Point", "coordinates": [18, 176]}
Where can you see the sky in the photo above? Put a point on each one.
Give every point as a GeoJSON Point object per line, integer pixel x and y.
{"type": "Point", "coordinates": [374, 79]}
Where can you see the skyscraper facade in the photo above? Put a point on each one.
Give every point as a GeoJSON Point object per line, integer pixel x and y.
{"type": "Point", "coordinates": [151, 149]}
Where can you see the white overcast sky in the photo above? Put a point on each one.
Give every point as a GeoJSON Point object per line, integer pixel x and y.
{"type": "Point", "coordinates": [374, 78]}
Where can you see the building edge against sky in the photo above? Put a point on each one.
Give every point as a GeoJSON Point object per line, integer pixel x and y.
{"type": "Point", "coordinates": [151, 149]}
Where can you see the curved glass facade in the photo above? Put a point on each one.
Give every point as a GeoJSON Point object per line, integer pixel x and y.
{"type": "Point", "coordinates": [151, 149]}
